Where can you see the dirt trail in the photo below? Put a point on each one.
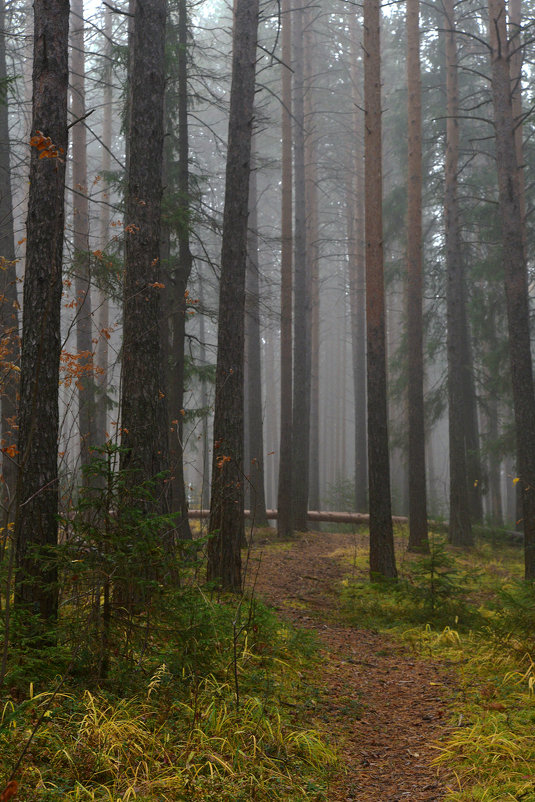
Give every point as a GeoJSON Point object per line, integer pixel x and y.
{"type": "Point", "coordinates": [384, 706]}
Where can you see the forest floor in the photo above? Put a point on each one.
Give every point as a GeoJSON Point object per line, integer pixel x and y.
{"type": "Point", "coordinates": [384, 707]}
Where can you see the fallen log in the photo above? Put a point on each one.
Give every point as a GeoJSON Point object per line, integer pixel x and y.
{"type": "Point", "coordinates": [325, 516]}
{"type": "Point", "coordinates": [356, 518]}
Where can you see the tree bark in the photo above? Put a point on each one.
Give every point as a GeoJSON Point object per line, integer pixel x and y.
{"type": "Point", "coordinates": [81, 262]}
{"type": "Point", "coordinates": [357, 284]}
{"type": "Point", "coordinates": [515, 269]}
{"type": "Point", "coordinates": [382, 558]}
{"type": "Point", "coordinates": [471, 423]}
{"type": "Point", "coordinates": [103, 313]}
{"type": "Point", "coordinates": [312, 260]}
{"type": "Point", "coordinates": [418, 535]}
{"type": "Point", "coordinates": [9, 326]}
{"type": "Point", "coordinates": [37, 484]}
{"type": "Point", "coordinates": [143, 398]}
{"type": "Point", "coordinates": [284, 493]}
{"type": "Point", "coordinates": [179, 277]}
{"type": "Point", "coordinates": [255, 467]}
{"type": "Point", "coordinates": [301, 362]}
{"type": "Point", "coordinates": [460, 531]}
{"type": "Point", "coordinates": [226, 507]}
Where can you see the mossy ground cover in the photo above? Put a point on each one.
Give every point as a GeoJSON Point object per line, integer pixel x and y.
{"type": "Point", "coordinates": [471, 611]}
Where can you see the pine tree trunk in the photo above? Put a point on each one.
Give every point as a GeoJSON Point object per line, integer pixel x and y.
{"type": "Point", "coordinates": [37, 484]}
{"type": "Point", "coordinates": [312, 260]}
{"type": "Point", "coordinates": [357, 284]}
{"type": "Point", "coordinates": [516, 279]}
{"type": "Point", "coordinates": [9, 325]}
{"type": "Point", "coordinates": [226, 505]}
{"type": "Point", "coordinates": [284, 493]}
{"type": "Point", "coordinates": [418, 535]}
{"type": "Point", "coordinates": [255, 467]}
{"type": "Point", "coordinates": [471, 424]}
{"type": "Point", "coordinates": [179, 283]}
{"type": "Point", "coordinates": [382, 558]}
{"type": "Point", "coordinates": [205, 472]}
{"type": "Point", "coordinates": [103, 311]}
{"type": "Point", "coordinates": [301, 362]}
{"type": "Point", "coordinates": [143, 399]}
{"type": "Point", "coordinates": [81, 264]}
{"type": "Point", "coordinates": [460, 529]}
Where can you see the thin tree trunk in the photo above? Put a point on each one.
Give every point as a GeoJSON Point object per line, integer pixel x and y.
{"type": "Point", "coordinates": [205, 491]}
{"type": "Point", "coordinates": [357, 284]}
{"type": "Point", "coordinates": [471, 424]}
{"type": "Point", "coordinates": [179, 283]}
{"type": "Point", "coordinates": [37, 484]}
{"type": "Point", "coordinates": [284, 493]}
{"type": "Point", "coordinates": [312, 260]}
{"type": "Point", "coordinates": [516, 279]}
{"type": "Point", "coordinates": [301, 364]}
{"type": "Point", "coordinates": [103, 311]}
{"type": "Point", "coordinates": [255, 467]}
{"type": "Point", "coordinates": [418, 535]}
{"type": "Point", "coordinates": [226, 505]}
{"type": "Point", "coordinates": [84, 334]}
{"type": "Point", "coordinates": [382, 558]}
{"type": "Point", "coordinates": [460, 529]}
{"type": "Point", "coordinates": [516, 60]}
{"type": "Point", "coordinates": [272, 417]}
{"type": "Point", "coordinates": [9, 323]}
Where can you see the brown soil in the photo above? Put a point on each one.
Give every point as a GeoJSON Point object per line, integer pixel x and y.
{"type": "Point", "coordinates": [384, 708]}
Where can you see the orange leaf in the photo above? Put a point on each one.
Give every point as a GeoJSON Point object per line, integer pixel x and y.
{"type": "Point", "coordinates": [10, 790]}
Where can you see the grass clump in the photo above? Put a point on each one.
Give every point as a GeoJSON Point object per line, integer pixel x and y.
{"type": "Point", "coordinates": [172, 746]}
{"type": "Point", "coordinates": [152, 686]}
{"type": "Point", "coordinates": [179, 734]}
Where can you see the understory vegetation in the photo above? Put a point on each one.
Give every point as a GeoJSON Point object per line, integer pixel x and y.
{"type": "Point", "coordinates": [468, 610]}
{"type": "Point", "coordinates": [206, 704]}
{"type": "Point", "coordinates": [152, 685]}
{"type": "Point", "coordinates": [206, 696]}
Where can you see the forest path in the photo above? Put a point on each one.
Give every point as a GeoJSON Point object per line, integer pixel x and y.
{"type": "Point", "coordinates": [383, 706]}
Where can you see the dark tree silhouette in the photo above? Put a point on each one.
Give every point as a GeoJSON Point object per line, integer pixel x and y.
{"type": "Point", "coordinates": [226, 505]}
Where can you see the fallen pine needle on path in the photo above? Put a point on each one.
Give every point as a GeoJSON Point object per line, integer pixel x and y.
{"type": "Point", "coordinates": [384, 707]}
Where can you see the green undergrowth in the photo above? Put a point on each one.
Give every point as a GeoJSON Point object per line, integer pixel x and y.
{"type": "Point", "coordinates": [207, 703]}
{"type": "Point", "coordinates": [471, 611]}
{"type": "Point", "coordinates": [490, 750]}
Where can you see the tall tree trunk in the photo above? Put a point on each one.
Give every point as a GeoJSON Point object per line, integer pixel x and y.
{"type": "Point", "coordinates": [143, 398]}
{"type": "Point", "coordinates": [515, 62]}
{"type": "Point", "coordinates": [471, 424]}
{"type": "Point", "coordinates": [301, 363]}
{"type": "Point", "coordinates": [284, 494]}
{"type": "Point", "coordinates": [460, 529]}
{"type": "Point", "coordinates": [226, 505]}
{"type": "Point", "coordinates": [382, 558]}
{"type": "Point", "coordinates": [37, 484]}
{"type": "Point", "coordinates": [81, 262]}
{"type": "Point", "coordinates": [312, 260]}
{"type": "Point", "coordinates": [205, 491]}
{"type": "Point", "coordinates": [418, 535]}
{"type": "Point", "coordinates": [9, 325]}
{"type": "Point", "coordinates": [272, 418]}
{"type": "Point", "coordinates": [357, 282]}
{"type": "Point", "coordinates": [255, 468]}
{"type": "Point", "coordinates": [103, 311]}
{"type": "Point", "coordinates": [493, 433]}
{"type": "Point", "coordinates": [516, 279]}
{"type": "Point", "coordinates": [179, 283]}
